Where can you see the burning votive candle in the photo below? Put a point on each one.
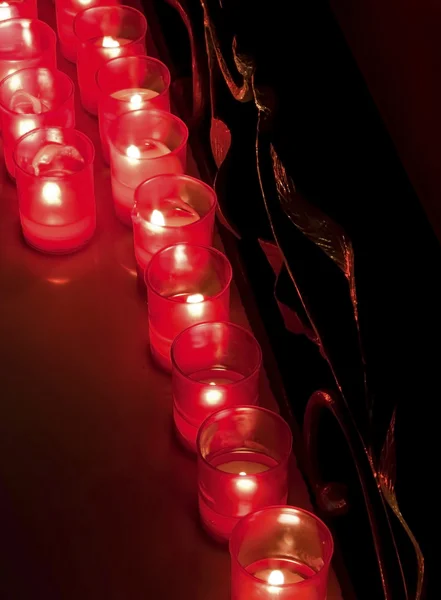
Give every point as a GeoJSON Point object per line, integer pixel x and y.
{"type": "Point", "coordinates": [54, 173]}
{"type": "Point", "coordinates": [280, 553]}
{"type": "Point", "coordinates": [171, 209]}
{"type": "Point", "coordinates": [186, 284]}
{"type": "Point", "coordinates": [33, 98]}
{"type": "Point", "coordinates": [103, 33]}
{"type": "Point", "coordinates": [130, 83]}
{"type": "Point", "coordinates": [243, 455]}
{"type": "Point", "coordinates": [66, 11]}
{"type": "Point", "coordinates": [26, 43]}
{"type": "Point", "coordinates": [214, 365]}
{"type": "Point", "coordinates": [143, 143]}
{"type": "Point", "coordinates": [14, 9]}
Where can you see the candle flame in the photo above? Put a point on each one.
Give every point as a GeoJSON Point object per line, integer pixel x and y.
{"type": "Point", "coordinates": [136, 101]}
{"type": "Point", "coordinates": [242, 473]}
{"type": "Point", "coordinates": [213, 397]}
{"type": "Point", "coordinates": [110, 42]}
{"type": "Point", "coordinates": [25, 126]}
{"type": "Point", "coordinates": [52, 194]}
{"type": "Point", "coordinates": [195, 298]}
{"type": "Point", "coordinates": [245, 485]}
{"type": "Point", "coordinates": [5, 11]}
{"type": "Point", "coordinates": [157, 218]}
{"type": "Point", "coordinates": [133, 152]}
{"type": "Point", "coordinates": [276, 577]}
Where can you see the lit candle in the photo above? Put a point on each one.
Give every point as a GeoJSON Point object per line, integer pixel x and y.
{"type": "Point", "coordinates": [66, 11]}
{"type": "Point", "coordinates": [104, 33]}
{"type": "Point", "coordinates": [130, 83]}
{"type": "Point", "coordinates": [32, 98]}
{"type": "Point", "coordinates": [243, 456]}
{"type": "Point", "coordinates": [26, 43]}
{"type": "Point", "coordinates": [186, 284]}
{"type": "Point", "coordinates": [54, 174]}
{"type": "Point", "coordinates": [143, 143]}
{"type": "Point", "coordinates": [280, 552]}
{"type": "Point", "coordinates": [214, 365]}
{"type": "Point", "coordinates": [14, 10]}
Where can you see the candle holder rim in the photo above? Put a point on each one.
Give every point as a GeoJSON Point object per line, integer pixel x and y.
{"type": "Point", "coordinates": [157, 111]}
{"type": "Point", "coordinates": [47, 28]}
{"type": "Point", "coordinates": [87, 163]}
{"type": "Point", "coordinates": [286, 453]}
{"type": "Point", "coordinates": [248, 333]}
{"type": "Point", "coordinates": [63, 75]}
{"type": "Point", "coordinates": [136, 57]}
{"type": "Point", "coordinates": [210, 249]}
{"type": "Point", "coordinates": [243, 522]}
{"type": "Point", "coordinates": [182, 177]}
{"type": "Point", "coordinates": [125, 8]}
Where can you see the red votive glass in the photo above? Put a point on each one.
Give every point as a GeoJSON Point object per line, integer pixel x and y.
{"type": "Point", "coordinates": [105, 32]}
{"type": "Point", "coordinates": [186, 284]}
{"type": "Point", "coordinates": [66, 11]}
{"type": "Point", "coordinates": [15, 9]}
{"type": "Point", "coordinates": [143, 143]}
{"type": "Point", "coordinates": [280, 553]}
{"type": "Point", "coordinates": [54, 174]}
{"type": "Point", "coordinates": [243, 455]}
{"type": "Point", "coordinates": [214, 365]}
{"type": "Point", "coordinates": [130, 83]}
{"type": "Point", "coordinates": [26, 43]}
{"type": "Point", "coordinates": [171, 209]}
{"type": "Point", "coordinates": [33, 98]}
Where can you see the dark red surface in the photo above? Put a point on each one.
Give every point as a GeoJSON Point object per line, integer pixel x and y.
{"type": "Point", "coordinates": [97, 499]}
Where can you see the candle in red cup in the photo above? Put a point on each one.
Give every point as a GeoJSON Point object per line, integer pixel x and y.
{"type": "Point", "coordinates": [171, 209]}
{"type": "Point", "coordinates": [66, 11]}
{"type": "Point", "coordinates": [26, 43]}
{"type": "Point", "coordinates": [54, 174]}
{"type": "Point", "coordinates": [103, 33]}
{"type": "Point", "coordinates": [243, 454]}
{"type": "Point", "coordinates": [32, 98]}
{"type": "Point", "coordinates": [186, 284]}
{"type": "Point", "coordinates": [214, 365]}
{"type": "Point", "coordinates": [143, 143]}
{"type": "Point", "coordinates": [15, 9]}
{"type": "Point", "coordinates": [280, 553]}
{"type": "Point", "coordinates": [130, 83]}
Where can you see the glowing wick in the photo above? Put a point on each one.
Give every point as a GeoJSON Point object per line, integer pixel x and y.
{"type": "Point", "coordinates": [157, 218]}
{"type": "Point", "coordinates": [26, 126]}
{"type": "Point", "coordinates": [133, 152]}
{"type": "Point", "coordinates": [213, 397]}
{"type": "Point", "coordinates": [136, 101]}
{"type": "Point", "coordinates": [245, 485]}
{"type": "Point", "coordinates": [110, 42]}
{"type": "Point", "coordinates": [276, 578]}
{"type": "Point", "coordinates": [242, 473]}
{"type": "Point", "coordinates": [5, 11]}
{"type": "Point", "coordinates": [52, 194]}
{"type": "Point", "coordinates": [195, 298]}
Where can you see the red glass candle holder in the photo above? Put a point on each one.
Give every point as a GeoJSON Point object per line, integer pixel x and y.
{"type": "Point", "coordinates": [280, 553]}
{"type": "Point", "coordinates": [214, 365]}
{"type": "Point", "coordinates": [33, 98]}
{"type": "Point", "coordinates": [16, 9]}
{"type": "Point", "coordinates": [130, 83]}
{"type": "Point", "coordinates": [54, 173]}
{"type": "Point", "coordinates": [102, 33]}
{"type": "Point", "coordinates": [143, 143]}
{"type": "Point", "coordinates": [171, 209]}
{"type": "Point", "coordinates": [186, 284]}
{"type": "Point", "coordinates": [243, 455]}
{"type": "Point", "coordinates": [66, 11]}
{"type": "Point", "coordinates": [26, 43]}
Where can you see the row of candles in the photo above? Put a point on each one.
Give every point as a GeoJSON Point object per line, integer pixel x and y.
{"type": "Point", "coordinates": [243, 450]}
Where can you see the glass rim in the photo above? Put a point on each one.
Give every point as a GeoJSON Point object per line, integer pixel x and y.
{"type": "Point", "coordinates": [286, 453]}
{"type": "Point", "coordinates": [60, 74]}
{"type": "Point", "coordinates": [208, 249]}
{"type": "Point", "coordinates": [122, 8]}
{"type": "Point", "coordinates": [41, 24]}
{"type": "Point", "coordinates": [231, 325]}
{"type": "Point", "coordinates": [78, 133]}
{"type": "Point", "coordinates": [244, 521]}
{"type": "Point", "coordinates": [181, 177]}
{"type": "Point", "coordinates": [183, 127]}
{"type": "Point", "coordinates": [150, 59]}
